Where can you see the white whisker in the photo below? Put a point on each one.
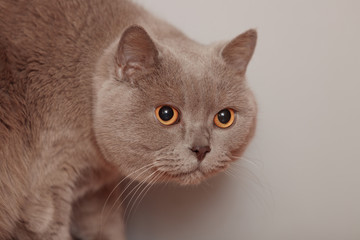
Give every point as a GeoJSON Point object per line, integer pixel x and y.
{"type": "Point", "coordinates": [148, 187]}
{"type": "Point", "coordinates": [147, 167]}
{"type": "Point", "coordinates": [133, 190]}
{"type": "Point", "coordinates": [137, 189]}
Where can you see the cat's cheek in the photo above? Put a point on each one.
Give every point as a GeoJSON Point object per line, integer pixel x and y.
{"type": "Point", "coordinates": [243, 138]}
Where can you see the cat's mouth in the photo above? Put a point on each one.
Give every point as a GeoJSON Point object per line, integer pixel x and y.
{"type": "Point", "coordinates": [194, 176]}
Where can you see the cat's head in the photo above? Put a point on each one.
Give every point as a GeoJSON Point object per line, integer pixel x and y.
{"type": "Point", "coordinates": [166, 111]}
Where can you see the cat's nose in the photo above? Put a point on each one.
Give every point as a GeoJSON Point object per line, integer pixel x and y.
{"type": "Point", "coordinates": [201, 151]}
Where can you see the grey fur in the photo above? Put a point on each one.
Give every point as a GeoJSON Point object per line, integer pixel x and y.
{"type": "Point", "coordinates": [79, 84]}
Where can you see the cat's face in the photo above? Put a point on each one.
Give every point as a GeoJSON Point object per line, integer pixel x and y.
{"type": "Point", "coordinates": [174, 114]}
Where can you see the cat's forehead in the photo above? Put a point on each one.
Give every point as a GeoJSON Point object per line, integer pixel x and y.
{"type": "Point", "coordinates": [208, 86]}
{"type": "Point", "coordinates": [197, 81]}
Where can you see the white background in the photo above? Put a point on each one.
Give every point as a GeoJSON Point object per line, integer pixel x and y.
{"type": "Point", "coordinates": [300, 178]}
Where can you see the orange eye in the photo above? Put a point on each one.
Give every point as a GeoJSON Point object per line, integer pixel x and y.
{"type": "Point", "coordinates": [225, 118]}
{"type": "Point", "coordinates": [167, 115]}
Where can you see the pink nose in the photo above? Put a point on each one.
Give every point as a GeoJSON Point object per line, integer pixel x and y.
{"type": "Point", "coordinates": [201, 151]}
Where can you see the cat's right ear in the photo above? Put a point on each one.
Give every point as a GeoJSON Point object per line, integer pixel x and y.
{"type": "Point", "coordinates": [238, 52]}
{"type": "Point", "coordinates": [136, 52]}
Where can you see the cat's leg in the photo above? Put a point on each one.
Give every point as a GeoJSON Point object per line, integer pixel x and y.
{"type": "Point", "coordinates": [92, 219]}
{"type": "Point", "coordinates": [47, 210]}
{"type": "Point", "coordinates": [46, 215]}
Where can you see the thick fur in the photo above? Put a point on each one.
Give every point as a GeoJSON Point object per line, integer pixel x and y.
{"type": "Point", "coordinates": [79, 82]}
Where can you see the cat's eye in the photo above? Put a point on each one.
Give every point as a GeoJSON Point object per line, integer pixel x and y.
{"type": "Point", "coordinates": [225, 118]}
{"type": "Point", "coordinates": [167, 115]}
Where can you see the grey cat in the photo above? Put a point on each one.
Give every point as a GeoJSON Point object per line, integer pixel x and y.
{"type": "Point", "coordinates": [92, 92]}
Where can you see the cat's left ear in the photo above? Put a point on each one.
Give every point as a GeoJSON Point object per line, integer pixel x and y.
{"type": "Point", "coordinates": [239, 51]}
{"type": "Point", "coordinates": [136, 52]}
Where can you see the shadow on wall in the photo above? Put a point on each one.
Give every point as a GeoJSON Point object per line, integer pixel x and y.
{"type": "Point", "coordinates": [195, 212]}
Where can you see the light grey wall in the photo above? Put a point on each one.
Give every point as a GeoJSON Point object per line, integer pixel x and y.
{"type": "Point", "coordinates": [301, 176]}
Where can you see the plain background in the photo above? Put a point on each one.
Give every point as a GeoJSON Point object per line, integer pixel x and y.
{"type": "Point", "coordinates": [300, 178]}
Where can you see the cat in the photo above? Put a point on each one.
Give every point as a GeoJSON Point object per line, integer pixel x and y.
{"type": "Point", "coordinates": [92, 92]}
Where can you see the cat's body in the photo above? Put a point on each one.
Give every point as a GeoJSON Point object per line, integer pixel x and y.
{"type": "Point", "coordinates": [59, 65]}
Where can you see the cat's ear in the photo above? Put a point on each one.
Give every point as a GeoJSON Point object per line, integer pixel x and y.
{"type": "Point", "coordinates": [136, 52]}
{"type": "Point", "coordinates": [239, 51]}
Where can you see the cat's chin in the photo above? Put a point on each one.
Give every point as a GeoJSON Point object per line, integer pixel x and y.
{"type": "Point", "coordinates": [190, 178]}
{"type": "Point", "coordinates": [194, 177]}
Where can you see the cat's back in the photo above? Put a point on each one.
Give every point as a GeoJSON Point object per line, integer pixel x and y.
{"type": "Point", "coordinates": [48, 50]}
{"type": "Point", "coordinates": [64, 24]}
{"type": "Point", "coordinates": [61, 33]}
{"type": "Point", "coordinates": [48, 53]}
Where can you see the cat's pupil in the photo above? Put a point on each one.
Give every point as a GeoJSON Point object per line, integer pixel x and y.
{"type": "Point", "coordinates": [224, 116]}
{"type": "Point", "coordinates": [166, 113]}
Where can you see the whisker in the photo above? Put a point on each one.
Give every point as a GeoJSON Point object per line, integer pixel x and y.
{"type": "Point", "coordinates": [143, 193]}
{"type": "Point", "coordinates": [119, 205]}
{"type": "Point", "coordinates": [137, 189]}
{"type": "Point", "coordinates": [228, 173]}
{"type": "Point", "coordinates": [254, 187]}
{"type": "Point", "coordinates": [147, 167]}
{"type": "Point", "coordinates": [117, 185]}
{"type": "Point", "coordinates": [126, 187]}
{"type": "Point", "coordinates": [247, 172]}
{"type": "Point", "coordinates": [245, 188]}
{"type": "Point", "coordinates": [170, 165]}
{"type": "Point", "coordinates": [251, 162]}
